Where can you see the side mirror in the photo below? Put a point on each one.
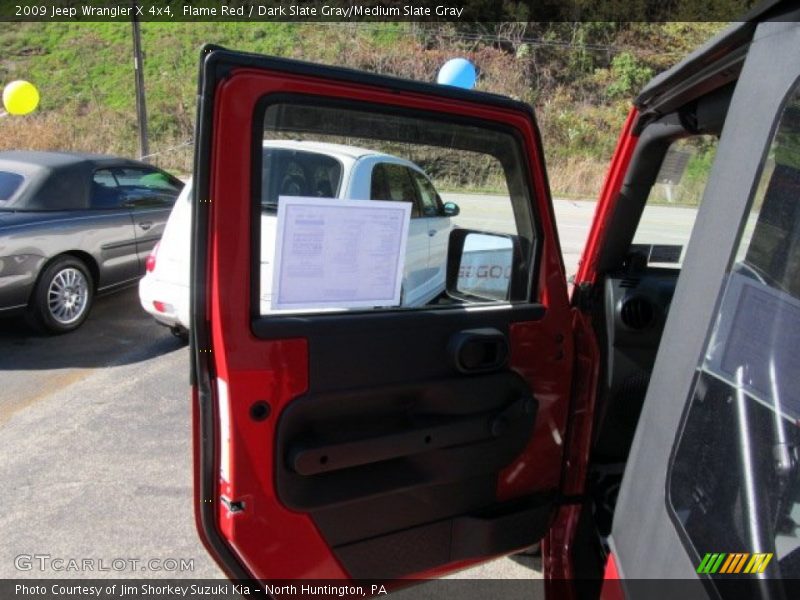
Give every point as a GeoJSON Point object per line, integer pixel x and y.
{"type": "Point", "coordinates": [480, 265]}
{"type": "Point", "coordinates": [450, 209]}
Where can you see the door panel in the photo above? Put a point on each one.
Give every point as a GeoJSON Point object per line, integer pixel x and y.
{"type": "Point", "coordinates": [149, 224]}
{"type": "Point", "coordinates": [114, 241]}
{"type": "Point", "coordinates": [352, 444]}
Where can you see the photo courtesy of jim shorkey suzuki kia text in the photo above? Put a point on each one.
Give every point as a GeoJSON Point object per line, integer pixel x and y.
{"type": "Point", "coordinates": [194, 589]}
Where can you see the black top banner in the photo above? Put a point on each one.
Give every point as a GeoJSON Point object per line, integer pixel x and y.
{"type": "Point", "coordinates": [256, 11]}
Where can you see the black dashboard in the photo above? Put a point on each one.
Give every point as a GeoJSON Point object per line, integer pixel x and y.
{"type": "Point", "coordinates": [634, 310]}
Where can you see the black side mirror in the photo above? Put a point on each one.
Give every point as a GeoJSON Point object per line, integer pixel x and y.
{"type": "Point", "coordinates": [450, 209]}
{"type": "Point", "coordinates": [481, 266]}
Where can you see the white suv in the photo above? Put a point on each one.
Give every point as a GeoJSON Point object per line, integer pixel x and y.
{"type": "Point", "coordinates": [300, 168]}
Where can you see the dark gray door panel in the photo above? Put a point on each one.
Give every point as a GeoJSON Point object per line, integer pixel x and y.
{"type": "Point", "coordinates": [149, 226]}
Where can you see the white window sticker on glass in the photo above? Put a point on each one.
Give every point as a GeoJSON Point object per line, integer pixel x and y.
{"type": "Point", "coordinates": [758, 321]}
{"type": "Point", "coordinates": [338, 254]}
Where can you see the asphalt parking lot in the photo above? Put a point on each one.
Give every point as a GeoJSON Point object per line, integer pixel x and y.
{"type": "Point", "coordinates": [95, 435]}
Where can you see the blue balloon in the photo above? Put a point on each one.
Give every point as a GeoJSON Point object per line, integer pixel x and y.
{"type": "Point", "coordinates": [458, 72]}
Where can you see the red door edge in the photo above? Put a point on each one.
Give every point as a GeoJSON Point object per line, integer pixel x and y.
{"type": "Point", "coordinates": [557, 565]}
{"type": "Point", "coordinates": [612, 587]}
{"type": "Point", "coordinates": [587, 267]}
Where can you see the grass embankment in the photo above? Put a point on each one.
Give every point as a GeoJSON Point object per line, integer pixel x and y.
{"type": "Point", "coordinates": [579, 76]}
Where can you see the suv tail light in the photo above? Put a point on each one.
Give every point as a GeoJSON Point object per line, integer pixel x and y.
{"type": "Point", "coordinates": [150, 263]}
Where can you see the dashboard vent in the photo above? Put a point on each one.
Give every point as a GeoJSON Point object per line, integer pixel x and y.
{"type": "Point", "coordinates": [637, 313]}
{"type": "Point", "coordinates": [629, 282]}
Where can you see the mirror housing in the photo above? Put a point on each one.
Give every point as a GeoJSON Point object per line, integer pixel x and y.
{"type": "Point", "coordinates": [450, 209]}
{"type": "Point", "coordinates": [481, 266]}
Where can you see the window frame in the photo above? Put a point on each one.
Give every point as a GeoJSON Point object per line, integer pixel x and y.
{"type": "Point", "coordinates": [270, 326]}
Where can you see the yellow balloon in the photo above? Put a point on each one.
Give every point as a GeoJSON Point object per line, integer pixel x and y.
{"type": "Point", "coordinates": [20, 97]}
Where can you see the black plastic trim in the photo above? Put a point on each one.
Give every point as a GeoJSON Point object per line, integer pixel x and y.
{"type": "Point", "coordinates": [508, 527]}
{"type": "Point", "coordinates": [283, 327]}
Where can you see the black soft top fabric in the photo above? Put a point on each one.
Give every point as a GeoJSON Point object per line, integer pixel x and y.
{"type": "Point", "coordinates": [56, 180]}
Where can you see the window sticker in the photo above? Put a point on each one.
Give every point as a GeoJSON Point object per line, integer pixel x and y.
{"type": "Point", "coordinates": [339, 253]}
{"type": "Point", "coordinates": [757, 332]}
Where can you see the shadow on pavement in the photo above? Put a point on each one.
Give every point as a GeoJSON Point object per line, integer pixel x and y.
{"type": "Point", "coordinates": [117, 332]}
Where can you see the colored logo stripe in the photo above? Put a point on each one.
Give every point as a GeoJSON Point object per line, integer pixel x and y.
{"type": "Point", "coordinates": [710, 563]}
{"type": "Point", "coordinates": [721, 562]}
{"type": "Point", "coordinates": [734, 563]}
{"type": "Point", "coordinates": [758, 563]}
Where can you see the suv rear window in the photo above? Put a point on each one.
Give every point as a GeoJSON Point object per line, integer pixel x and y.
{"type": "Point", "coordinates": [9, 184]}
{"type": "Point", "coordinates": [298, 173]}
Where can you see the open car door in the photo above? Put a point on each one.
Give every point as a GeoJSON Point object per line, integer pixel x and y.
{"type": "Point", "coordinates": [351, 441]}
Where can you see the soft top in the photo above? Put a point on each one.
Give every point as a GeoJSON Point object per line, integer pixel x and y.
{"type": "Point", "coordinates": [56, 180]}
{"type": "Point", "coordinates": [713, 64]}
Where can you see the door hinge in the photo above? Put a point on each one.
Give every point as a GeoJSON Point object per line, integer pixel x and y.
{"type": "Point", "coordinates": [584, 297]}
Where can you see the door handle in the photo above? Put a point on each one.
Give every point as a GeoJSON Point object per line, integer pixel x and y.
{"type": "Point", "coordinates": [478, 350]}
{"type": "Point", "coordinates": [145, 225]}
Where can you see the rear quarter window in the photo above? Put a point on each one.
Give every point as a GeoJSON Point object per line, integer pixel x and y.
{"type": "Point", "coordinates": [287, 172]}
{"type": "Point", "coordinates": [9, 184]}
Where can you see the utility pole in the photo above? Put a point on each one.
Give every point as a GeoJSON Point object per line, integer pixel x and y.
{"type": "Point", "coordinates": [138, 68]}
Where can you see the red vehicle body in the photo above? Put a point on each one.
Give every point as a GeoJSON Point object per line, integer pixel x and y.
{"type": "Point", "coordinates": [349, 446]}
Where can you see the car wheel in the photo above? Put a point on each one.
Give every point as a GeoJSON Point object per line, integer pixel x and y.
{"type": "Point", "coordinates": [63, 296]}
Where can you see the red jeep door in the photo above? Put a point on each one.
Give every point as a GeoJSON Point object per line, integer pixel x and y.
{"type": "Point", "coordinates": [387, 442]}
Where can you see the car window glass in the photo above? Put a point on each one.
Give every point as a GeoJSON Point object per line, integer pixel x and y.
{"type": "Point", "coordinates": [289, 172]}
{"type": "Point", "coordinates": [105, 191]}
{"type": "Point", "coordinates": [478, 171]}
{"type": "Point", "coordinates": [427, 195]}
{"type": "Point", "coordinates": [9, 184]}
{"type": "Point", "coordinates": [673, 200]}
{"type": "Point", "coordinates": [734, 484]}
{"type": "Point", "coordinates": [105, 178]}
{"type": "Point", "coordinates": [145, 178]}
{"type": "Point", "coordinates": [392, 182]}
{"type": "Point", "coordinates": [141, 188]}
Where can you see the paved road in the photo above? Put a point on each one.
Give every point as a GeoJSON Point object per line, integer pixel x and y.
{"type": "Point", "coordinates": [94, 435]}
{"type": "Point", "coordinates": [95, 439]}
{"type": "Point", "coordinates": [660, 224]}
